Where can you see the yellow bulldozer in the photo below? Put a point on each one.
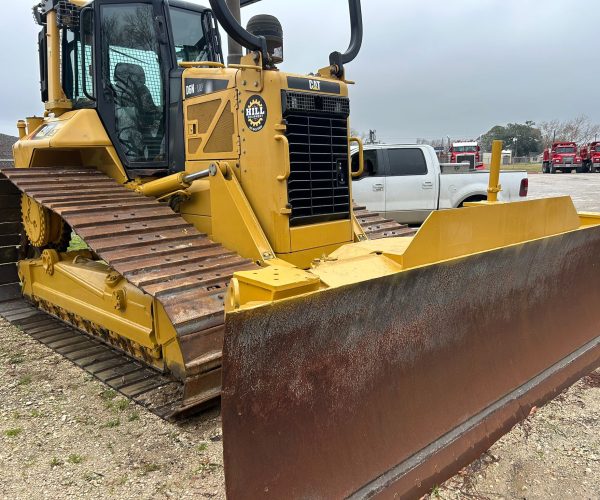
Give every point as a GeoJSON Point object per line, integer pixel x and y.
{"type": "Point", "coordinates": [183, 229]}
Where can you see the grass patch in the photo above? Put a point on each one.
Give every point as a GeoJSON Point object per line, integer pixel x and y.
{"type": "Point", "coordinates": [108, 394]}
{"type": "Point", "coordinates": [528, 167]}
{"type": "Point", "coordinates": [117, 406]}
{"type": "Point", "coordinates": [112, 423]}
{"type": "Point", "coordinates": [208, 467]}
{"type": "Point", "coordinates": [13, 432]}
{"type": "Point", "coordinates": [121, 481]}
{"type": "Point", "coordinates": [134, 416]}
{"type": "Point", "coordinates": [121, 405]}
{"type": "Point", "coordinates": [25, 380]}
{"type": "Point", "coordinates": [74, 458]}
{"type": "Point", "coordinates": [202, 447]}
{"type": "Point", "coordinates": [16, 359]}
{"type": "Point", "coordinates": [76, 243]}
{"type": "Point", "coordinates": [56, 462]}
{"type": "Point", "coordinates": [435, 491]}
{"type": "Point", "coordinates": [148, 468]}
{"type": "Point", "coordinates": [35, 413]}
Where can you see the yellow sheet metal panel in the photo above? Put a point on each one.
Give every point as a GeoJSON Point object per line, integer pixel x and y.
{"type": "Point", "coordinates": [210, 127]}
{"type": "Point", "coordinates": [448, 234]}
{"type": "Point", "coordinates": [445, 235]}
{"type": "Point", "coordinates": [234, 223]}
{"type": "Point", "coordinates": [269, 284]}
{"type": "Point", "coordinates": [75, 138]}
{"type": "Point", "coordinates": [303, 259]}
{"type": "Point", "coordinates": [264, 157]}
{"type": "Point", "coordinates": [354, 270]}
{"type": "Point", "coordinates": [589, 218]}
{"type": "Point", "coordinates": [319, 235]}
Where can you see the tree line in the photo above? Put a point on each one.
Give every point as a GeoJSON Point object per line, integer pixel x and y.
{"type": "Point", "coordinates": [524, 139]}
{"type": "Point", "coordinates": [529, 138]}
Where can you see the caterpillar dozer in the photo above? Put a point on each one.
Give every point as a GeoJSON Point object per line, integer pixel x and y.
{"type": "Point", "coordinates": [183, 229]}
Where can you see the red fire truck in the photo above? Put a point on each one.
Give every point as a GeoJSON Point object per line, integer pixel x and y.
{"type": "Point", "coordinates": [561, 156]}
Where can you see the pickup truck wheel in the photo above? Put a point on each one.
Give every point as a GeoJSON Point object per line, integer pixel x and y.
{"type": "Point", "coordinates": [579, 170]}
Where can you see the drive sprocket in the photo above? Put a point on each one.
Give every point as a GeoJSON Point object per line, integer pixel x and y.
{"type": "Point", "coordinates": [44, 228]}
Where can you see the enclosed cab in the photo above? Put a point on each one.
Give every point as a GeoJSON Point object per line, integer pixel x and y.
{"type": "Point", "coordinates": [561, 156]}
{"type": "Point", "coordinates": [590, 157]}
{"type": "Point", "coordinates": [466, 152]}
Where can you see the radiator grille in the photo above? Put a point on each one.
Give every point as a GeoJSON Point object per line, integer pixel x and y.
{"type": "Point", "coordinates": [317, 131]}
{"type": "Point", "coordinates": [466, 158]}
{"type": "Point", "coordinates": [221, 140]}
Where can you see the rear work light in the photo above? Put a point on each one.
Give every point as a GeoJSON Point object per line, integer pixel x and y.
{"type": "Point", "coordinates": [524, 187]}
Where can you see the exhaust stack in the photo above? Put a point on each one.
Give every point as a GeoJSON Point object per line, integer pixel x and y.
{"type": "Point", "coordinates": [234, 52]}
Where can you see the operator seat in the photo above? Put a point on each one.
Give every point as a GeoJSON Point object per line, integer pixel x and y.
{"type": "Point", "coordinates": [135, 112]}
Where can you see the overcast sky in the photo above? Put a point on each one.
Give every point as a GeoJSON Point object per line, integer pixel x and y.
{"type": "Point", "coordinates": [427, 68]}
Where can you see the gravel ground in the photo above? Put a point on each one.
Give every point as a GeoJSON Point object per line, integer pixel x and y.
{"type": "Point", "coordinates": [65, 435]}
{"type": "Point", "coordinates": [583, 188]}
{"type": "Point", "coordinates": [555, 453]}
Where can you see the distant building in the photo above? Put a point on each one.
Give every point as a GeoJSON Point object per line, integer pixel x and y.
{"type": "Point", "coordinates": [506, 157]}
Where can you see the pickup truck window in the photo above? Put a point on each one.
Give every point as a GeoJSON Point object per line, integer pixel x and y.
{"type": "Point", "coordinates": [371, 163]}
{"type": "Point", "coordinates": [407, 161]}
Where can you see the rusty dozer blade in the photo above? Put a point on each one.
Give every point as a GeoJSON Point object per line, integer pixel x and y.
{"type": "Point", "coordinates": [390, 385]}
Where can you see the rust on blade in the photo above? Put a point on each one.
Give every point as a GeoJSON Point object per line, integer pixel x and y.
{"type": "Point", "coordinates": [390, 386]}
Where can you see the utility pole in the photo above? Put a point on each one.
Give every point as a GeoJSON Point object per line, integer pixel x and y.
{"type": "Point", "coordinates": [372, 136]}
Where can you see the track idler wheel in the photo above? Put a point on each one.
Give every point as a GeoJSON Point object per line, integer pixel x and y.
{"type": "Point", "coordinates": [49, 258]}
{"type": "Point", "coordinates": [43, 227]}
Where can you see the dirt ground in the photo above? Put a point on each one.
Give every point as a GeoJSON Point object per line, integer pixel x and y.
{"type": "Point", "coordinates": [555, 453]}
{"type": "Point", "coordinates": [65, 435]}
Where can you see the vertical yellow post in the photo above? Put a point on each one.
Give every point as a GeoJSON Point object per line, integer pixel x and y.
{"type": "Point", "coordinates": [57, 101]}
{"type": "Point", "coordinates": [494, 186]}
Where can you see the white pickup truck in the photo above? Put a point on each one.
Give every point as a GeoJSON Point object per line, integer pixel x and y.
{"type": "Point", "coordinates": [406, 182]}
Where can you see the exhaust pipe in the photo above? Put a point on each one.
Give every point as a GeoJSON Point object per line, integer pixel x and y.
{"type": "Point", "coordinates": [227, 13]}
{"type": "Point", "coordinates": [234, 55]}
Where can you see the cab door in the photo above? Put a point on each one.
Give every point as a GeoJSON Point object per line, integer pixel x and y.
{"type": "Point", "coordinates": [411, 187]}
{"type": "Point", "coordinates": [132, 67]}
{"type": "Point", "coordinates": [369, 189]}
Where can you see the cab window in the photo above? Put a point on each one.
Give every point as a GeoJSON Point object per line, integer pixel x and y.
{"type": "Point", "coordinates": [132, 69]}
{"type": "Point", "coordinates": [372, 167]}
{"type": "Point", "coordinates": [188, 34]}
{"type": "Point", "coordinates": [407, 161]}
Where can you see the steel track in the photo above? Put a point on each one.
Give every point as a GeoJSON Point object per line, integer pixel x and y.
{"type": "Point", "coordinates": [154, 249]}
